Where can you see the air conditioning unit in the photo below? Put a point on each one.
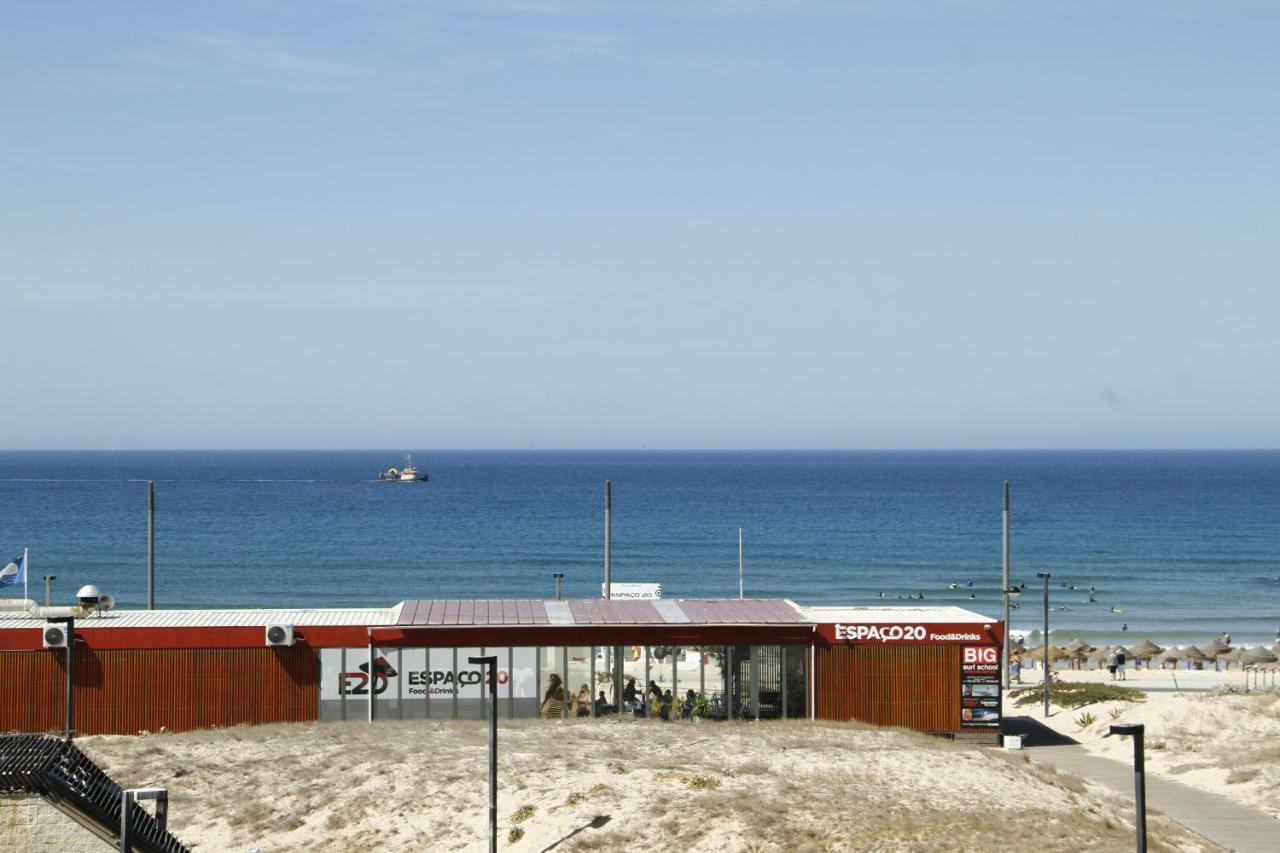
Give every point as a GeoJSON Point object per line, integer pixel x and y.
{"type": "Point", "coordinates": [279, 635]}
{"type": "Point", "coordinates": [55, 636]}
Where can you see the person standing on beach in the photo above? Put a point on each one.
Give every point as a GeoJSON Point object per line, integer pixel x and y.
{"type": "Point", "coordinates": [1112, 663]}
{"type": "Point", "coordinates": [1120, 663]}
{"type": "Point", "coordinates": [1015, 667]}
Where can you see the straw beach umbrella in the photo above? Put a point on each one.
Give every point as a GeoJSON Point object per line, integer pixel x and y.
{"type": "Point", "coordinates": [1193, 655]}
{"type": "Point", "coordinates": [1078, 651]}
{"type": "Point", "coordinates": [1145, 650]}
{"type": "Point", "coordinates": [1258, 655]}
{"type": "Point", "coordinates": [1213, 650]}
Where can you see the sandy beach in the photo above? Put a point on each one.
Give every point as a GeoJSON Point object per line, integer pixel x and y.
{"type": "Point", "coordinates": [1203, 729]}
{"type": "Point", "coordinates": [794, 786]}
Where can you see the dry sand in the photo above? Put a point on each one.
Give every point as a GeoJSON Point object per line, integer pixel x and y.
{"type": "Point", "coordinates": [617, 785]}
{"type": "Point", "coordinates": [1210, 735]}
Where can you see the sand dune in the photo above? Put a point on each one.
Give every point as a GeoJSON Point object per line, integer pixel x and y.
{"type": "Point", "coordinates": [1223, 740]}
{"type": "Point", "coordinates": [614, 785]}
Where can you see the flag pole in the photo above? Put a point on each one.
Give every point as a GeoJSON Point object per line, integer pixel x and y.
{"type": "Point", "coordinates": [26, 571]}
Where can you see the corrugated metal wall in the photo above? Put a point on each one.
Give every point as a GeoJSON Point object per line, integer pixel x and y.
{"type": "Point", "coordinates": [914, 686]}
{"type": "Point", "coordinates": [126, 691]}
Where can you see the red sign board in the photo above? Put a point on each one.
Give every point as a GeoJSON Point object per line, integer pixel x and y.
{"type": "Point", "coordinates": [918, 633]}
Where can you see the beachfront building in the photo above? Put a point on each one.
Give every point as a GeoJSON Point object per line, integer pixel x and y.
{"type": "Point", "coordinates": [933, 669]}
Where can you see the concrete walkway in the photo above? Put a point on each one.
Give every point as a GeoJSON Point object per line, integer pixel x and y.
{"type": "Point", "coordinates": [1217, 818]}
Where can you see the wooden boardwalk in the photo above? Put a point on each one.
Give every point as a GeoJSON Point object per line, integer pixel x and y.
{"type": "Point", "coordinates": [1215, 817]}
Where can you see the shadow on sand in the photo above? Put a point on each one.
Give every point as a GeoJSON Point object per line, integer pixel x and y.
{"type": "Point", "coordinates": [597, 822]}
{"type": "Point", "coordinates": [1034, 733]}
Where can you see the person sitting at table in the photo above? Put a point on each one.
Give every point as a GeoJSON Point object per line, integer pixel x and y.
{"type": "Point", "coordinates": [686, 708]}
{"type": "Point", "coordinates": [665, 705]}
{"type": "Point", "coordinates": [602, 705]}
{"type": "Point", "coordinates": [584, 701]}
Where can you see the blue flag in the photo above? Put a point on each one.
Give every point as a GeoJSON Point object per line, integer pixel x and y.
{"type": "Point", "coordinates": [15, 573]}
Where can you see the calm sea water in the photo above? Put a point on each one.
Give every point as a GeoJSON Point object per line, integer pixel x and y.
{"type": "Point", "coordinates": [1183, 545]}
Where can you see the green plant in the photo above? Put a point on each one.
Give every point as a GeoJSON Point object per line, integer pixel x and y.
{"type": "Point", "coordinates": [1076, 694]}
{"type": "Point", "coordinates": [701, 707]}
{"type": "Point", "coordinates": [514, 834]}
{"type": "Point", "coordinates": [1117, 713]}
{"type": "Point", "coordinates": [574, 798]}
{"type": "Point", "coordinates": [1085, 720]}
{"type": "Point", "coordinates": [522, 814]}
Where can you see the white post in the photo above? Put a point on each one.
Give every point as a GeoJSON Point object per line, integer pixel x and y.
{"type": "Point", "coordinates": [739, 562]}
{"type": "Point", "coordinates": [26, 571]}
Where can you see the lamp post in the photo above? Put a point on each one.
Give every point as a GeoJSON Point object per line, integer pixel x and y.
{"type": "Point", "coordinates": [490, 663]}
{"type": "Point", "coordinates": [1004, 611]}
{"type": "Point", "coordinates": [1045, 637]}
{"type": "Point", "coordinates": [559, 576]}
{"type": "Point", "coordinates": [1136, 730]}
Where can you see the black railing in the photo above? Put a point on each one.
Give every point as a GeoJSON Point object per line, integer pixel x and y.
{"type": "Point", "coordinates": [58, 771]}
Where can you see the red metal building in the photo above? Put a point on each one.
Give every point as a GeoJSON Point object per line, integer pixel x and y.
{"type": "Point", "coordinates": [933, 669]}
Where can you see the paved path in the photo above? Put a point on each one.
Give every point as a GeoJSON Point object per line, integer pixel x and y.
{"type": "Point", "coordinates": [1217, 818]}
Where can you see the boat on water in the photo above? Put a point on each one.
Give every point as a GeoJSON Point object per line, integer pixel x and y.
{"type": "Point", "coordinates": [406, 474]}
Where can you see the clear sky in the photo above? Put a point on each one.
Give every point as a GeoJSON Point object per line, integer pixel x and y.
{"type": "Point", "coordinates": [692, 224]}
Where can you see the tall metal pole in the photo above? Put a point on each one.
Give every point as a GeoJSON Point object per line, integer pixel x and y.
{"type": "Point", "coordinates": [739, 562]}
{"type": "Point", "coordinates": [1045, 637]}
{"type": "Point", "coordinates": [48, 589]}
{"type": "Point", "coordinates": [1136, 730]}
{"type": "Point", "coordinates": [151, 545]}
{"type": "Point", "coordinates": [1004, 612]}
{"type": "Point", "coordinates": [559, 576]}
{"type": "Point", "coordinates": [490, 662]}
{"type": "Point", "coordinates": [608, 540]}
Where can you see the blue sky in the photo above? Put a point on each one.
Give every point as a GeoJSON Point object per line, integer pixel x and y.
{"type": "Point", "coordinates": [698, 224]}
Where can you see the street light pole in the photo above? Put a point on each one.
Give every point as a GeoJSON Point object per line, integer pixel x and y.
{"type": "Point", "coordinates": [1045, 637]}
{"type": "Point", "coordinates": [1139, 779]}
{"type": "Point", "coordinates": [490, 662]}
{"type": "Point", "coordinates": [1004, 612]}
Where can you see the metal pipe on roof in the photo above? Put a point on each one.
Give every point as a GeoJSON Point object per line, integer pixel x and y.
{"type": "Point", "coordinates": [40, 611]}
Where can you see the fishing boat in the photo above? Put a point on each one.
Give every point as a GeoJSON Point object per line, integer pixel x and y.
{"type": "Point", "coordinates": [406, 474]}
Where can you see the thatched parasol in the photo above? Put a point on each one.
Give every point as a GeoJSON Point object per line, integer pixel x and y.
{"type": "Point", "coordinates": [1257, 655]}
{"type": "Point", "coordinates": [1036, 653]}
{"type": "Point", "coordinates": [1191, 654]}
{"type": "Point", "coordinates": [1100, 654]}
{"type": "Point", "coordinates": [1146, 650]}
{"type": "Point", "coordinates": [1214, 649]}
{"type": "Point", "coordinates": [1077, 645]}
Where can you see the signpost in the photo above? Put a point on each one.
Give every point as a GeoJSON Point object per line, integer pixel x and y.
{"type": "Point", "coordinates": [490, 662]}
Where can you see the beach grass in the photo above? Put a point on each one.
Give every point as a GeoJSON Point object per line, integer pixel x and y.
{"type": "Point", "coordinates": [1075, 694]}
{"type": "Point", "coordinates": [793, 786]}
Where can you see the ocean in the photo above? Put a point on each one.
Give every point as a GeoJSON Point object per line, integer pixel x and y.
{"type": "Point", "coordinates": [1178, 546]}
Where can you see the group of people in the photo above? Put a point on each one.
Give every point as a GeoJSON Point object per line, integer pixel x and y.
{"type": "Point", "coordinates": [1115, 663]}
{"type": "Point", "coordinates": [655, 703]}
{"type": "Point", "coordinates": [556, 705]}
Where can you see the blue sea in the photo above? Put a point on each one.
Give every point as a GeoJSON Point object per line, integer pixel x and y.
{"type": "Point", "coordinates": [1178, 546]}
